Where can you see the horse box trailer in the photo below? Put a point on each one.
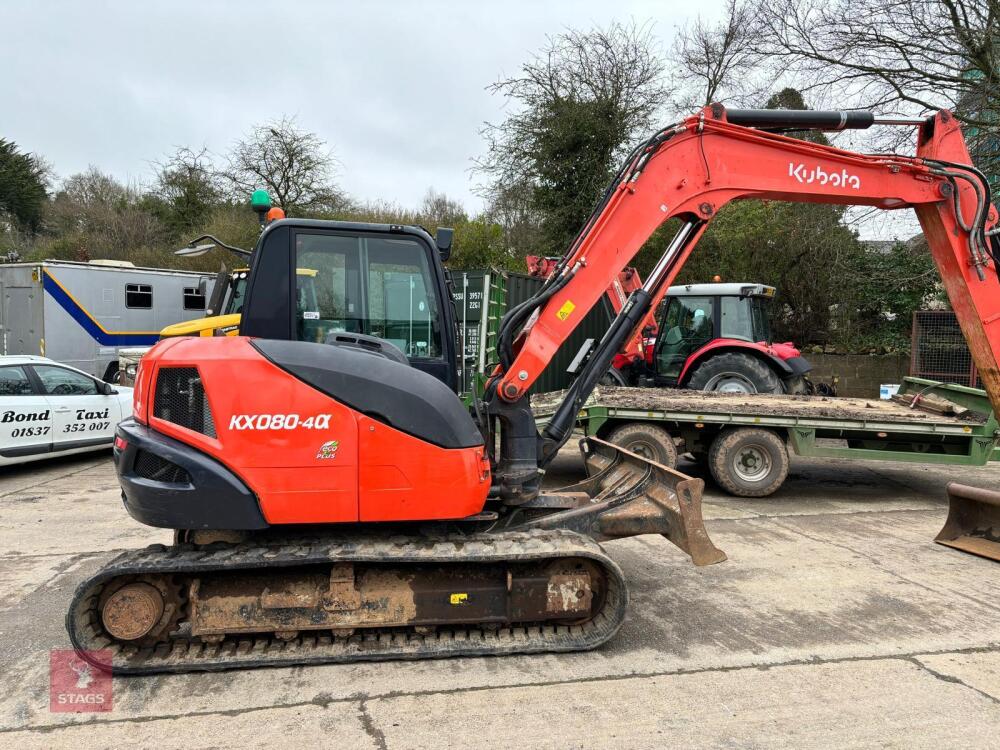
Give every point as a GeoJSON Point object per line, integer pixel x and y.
{"type": "Point", "coordinates": [81, 314]}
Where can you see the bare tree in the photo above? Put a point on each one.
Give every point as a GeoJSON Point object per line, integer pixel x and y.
{"type": "Point", "coordinates": [189, 187]}
{"type": "Point", "coordinates": [98, 217]}
{"type": "Point", "coordinates": [438, 209]}
{"type": "Point", "coordinates": [296, 167]}
{"type": "Point", "coordinates": [510, 207]}
{"type": "Point", "coordinates": [894, 55]}
{"type": "Point", "coordinates": [719, 62]}
{"type": "Point", "coordinates": [578, 105]}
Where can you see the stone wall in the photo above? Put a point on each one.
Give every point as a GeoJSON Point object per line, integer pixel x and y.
{"type": "Point", "coordinates": [859, 374]}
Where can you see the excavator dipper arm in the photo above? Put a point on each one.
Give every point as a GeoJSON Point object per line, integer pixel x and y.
{"type": "Point", "coordinates": [691, 170]}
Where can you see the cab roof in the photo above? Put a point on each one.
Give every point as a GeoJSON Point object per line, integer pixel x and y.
{"type": "Point", "coordinates": [731, 289]}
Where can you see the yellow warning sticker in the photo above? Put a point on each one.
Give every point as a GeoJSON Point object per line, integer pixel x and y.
{"type": "Point", "coordinates": [566, 310]}
{"type": "Point", "coordinates": [459, 598]}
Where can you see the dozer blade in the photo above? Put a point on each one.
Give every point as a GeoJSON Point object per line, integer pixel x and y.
{"type": "Point", "coordinates": [973, 523]}
{"type": "Point", "coordinates": [627, 495]}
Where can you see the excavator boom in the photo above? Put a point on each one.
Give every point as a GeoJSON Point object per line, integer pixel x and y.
{"type": "Point", "coordinates": [692, 170]}
{"type": "Point", "coordinates": [689, 172]}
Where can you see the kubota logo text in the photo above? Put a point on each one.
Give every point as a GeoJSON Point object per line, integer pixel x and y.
{"type": "Point", "coordinates": [805, 175]}
{"type": "Point", "coordinates": [278, 422]}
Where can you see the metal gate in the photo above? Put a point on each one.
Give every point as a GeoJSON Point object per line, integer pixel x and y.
{"type": "Point", "coordinates": [938, 350]}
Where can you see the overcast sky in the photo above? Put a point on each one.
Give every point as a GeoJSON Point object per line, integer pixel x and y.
{"type": "Point", "coordinates": [396, 88]}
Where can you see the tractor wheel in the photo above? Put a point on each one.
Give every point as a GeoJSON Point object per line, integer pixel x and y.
{"type": "Point", "coordinates": [734, 372]}
{"type": "Point", "coordinates": [612, 377]}
{"type": "Point", "coordinates": [646, 440]}
{"type": "Point", "coordinates": [748, 461]}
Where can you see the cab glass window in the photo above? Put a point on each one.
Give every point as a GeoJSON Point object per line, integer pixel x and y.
{"type": "Point", "coordinates": [14, 382]}
{"type": "Point", "coordinates": [238, 290]}
{"type": "Point", "coordinates": [379, 286]}
{"type": "Point", "coordinates": [58, 381]}
{"type": "Point", "coordinates": [687, 326]}
{"type": "Point", "coordinates": [761, 319]}
{"type": "Point", "coordinates": [745, 318]}
{"type": "Point", "coordinates": [736, 318]}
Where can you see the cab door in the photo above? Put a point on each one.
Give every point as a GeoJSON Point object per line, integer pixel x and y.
{"type": "Point", "coordinates": [25, 417]}
{"type": "Point", "coordinates": [81, 415]}
{"type": "Point", "coordinates": [687, 325]}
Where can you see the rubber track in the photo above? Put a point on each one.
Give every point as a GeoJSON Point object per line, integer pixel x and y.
{"type": "Point", "coordinates": [185, 654]}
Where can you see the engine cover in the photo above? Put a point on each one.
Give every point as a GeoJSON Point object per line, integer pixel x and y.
{"type": "Point", "coordinates": [320, 434]}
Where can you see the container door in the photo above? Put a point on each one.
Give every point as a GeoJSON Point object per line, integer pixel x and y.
{"type": "Point", "coordinates": [19, 334]}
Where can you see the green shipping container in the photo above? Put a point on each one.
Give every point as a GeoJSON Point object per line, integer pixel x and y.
{"type": "Point", "coordinates": [481, 299]}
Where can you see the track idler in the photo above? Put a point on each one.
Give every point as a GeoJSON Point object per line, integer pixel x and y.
{"type": "Point", "coordinates": [973, 523]}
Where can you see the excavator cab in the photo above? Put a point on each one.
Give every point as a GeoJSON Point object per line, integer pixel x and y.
{"type": "Point", "coordinates": [368, 285]}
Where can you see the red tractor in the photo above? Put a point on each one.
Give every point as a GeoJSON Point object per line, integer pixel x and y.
{"type": "Point", "coordinates": [709, 337]}
{"type": "Point", "coordinates": [716, 337]}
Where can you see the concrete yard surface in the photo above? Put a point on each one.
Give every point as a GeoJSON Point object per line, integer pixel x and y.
{"type": "Point", "coordinates": [836, 622]}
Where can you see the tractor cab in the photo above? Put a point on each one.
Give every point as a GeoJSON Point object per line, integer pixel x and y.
{"type": "Point", "coordinates": [717, 337]}
{"type": "Point", "coordinates": [697, 314]}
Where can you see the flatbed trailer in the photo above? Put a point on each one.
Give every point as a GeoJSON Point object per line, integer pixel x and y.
{"type": "Point", "coordinates": [744, 441]}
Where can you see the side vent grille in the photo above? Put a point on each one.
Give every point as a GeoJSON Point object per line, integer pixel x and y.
{"type": "Point", "coordinates": [151, 466]}
{"type": "Point", "coordinates": [180, 398]}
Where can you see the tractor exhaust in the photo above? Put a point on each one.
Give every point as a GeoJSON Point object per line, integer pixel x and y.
{"type": "Point", "coordinates": [973, 523]}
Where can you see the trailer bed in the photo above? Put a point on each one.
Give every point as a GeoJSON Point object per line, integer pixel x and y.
{"type": "Point", "coordinates": [786, 408]}
{"type": "Point", "coordinates": [727, 432]}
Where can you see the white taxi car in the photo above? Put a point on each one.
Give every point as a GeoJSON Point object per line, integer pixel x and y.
{"type": "Point", "coordinates": [50, 409]}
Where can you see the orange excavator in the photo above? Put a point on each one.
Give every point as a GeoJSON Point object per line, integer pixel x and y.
{"type": "Point", "coordinates": [332, 499]}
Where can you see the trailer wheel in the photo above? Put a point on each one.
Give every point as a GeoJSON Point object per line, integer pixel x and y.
{"type": "Point", "coordinates": [646, 440]}
{"type": "Point", "coordinates": [748, 462]}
